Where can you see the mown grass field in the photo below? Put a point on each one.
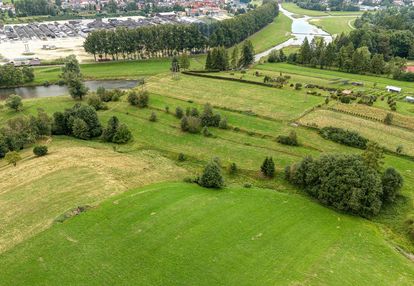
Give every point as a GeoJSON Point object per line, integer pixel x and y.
{"type": "Point", "coordinates": [181, 234]}
{"type": "Point", "coordinates": [335, 25]}
{"type": "Point", "coordinates": [336, 76]}
{"type": "Point", "coordinates": [292, 7]}
{"type": "Point", "coordinates": [115, 70]}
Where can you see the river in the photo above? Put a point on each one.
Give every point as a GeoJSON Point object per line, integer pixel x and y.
{"type": "Point", "coordinates": [56, 90]}
{"type": "Point", "coordinates": [301, 29]}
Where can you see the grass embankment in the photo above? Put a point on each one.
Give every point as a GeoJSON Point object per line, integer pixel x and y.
{"type": "Point", "coordinates": [293, 8]}
{"type": "Point", "coordinates": [335, 25]}
{"type": "Point", "coordinates": [273, 34]}
{"type": "Point", "coordinates": [181, 234]}
{"type": "Point", "coordinates": [114, 70]}
{"type": "Point", "coordinates": [336, 76]}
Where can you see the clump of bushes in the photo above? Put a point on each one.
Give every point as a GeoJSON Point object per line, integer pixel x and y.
{"type": "Point", "coordinates": [211, 176]}
{"type": "Point", "coordinates": [14, 102]}
{"type": "Point", "coordinates": [291, 139]}
{"type": "Point", "coordinates": [109, 95]}
{"type": "Point", "coordinates": [138, 98]}
{"type": "Point", "coordinates": [40, 150]}
{"type": "Point", "coordinates": [346, 183]}
{"type": "Point", "coordinates": [233, 169]}
{"type": "Point", "coordinates": [18, 132]}
{"type": "Point", "coordinates": [268, 167]}
{"type": "Point", "coordinates": [80, 121]}
{"type": "Point", "coordinates": [95, 101]}
{"type": "Point", "coordinates": [191, 124]}
{"type": "Point", "coordinates": [342, 136]}
{"type": "Point", "coordinates": [116, 132]}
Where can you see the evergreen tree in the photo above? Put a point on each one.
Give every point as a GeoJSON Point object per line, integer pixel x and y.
{"type": "Point", "coordinates": [235, 58]}
{"type": "Point", "coordinates": [211, 176]}
{"type": "Point", "coordinates": [305, 53]}
{"type": "Point", "coordinates": [268, 167]}
{"type": "Point", "coordinates": [247, 54]}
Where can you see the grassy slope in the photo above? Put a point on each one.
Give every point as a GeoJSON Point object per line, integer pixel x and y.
{"type": "Point", "coordinates": [273, 34]}
{"type": "Point", "coordinates": [334, 25]}
{"type": "Point", "coordinates": [114, 70]}
{"type": "Point", "coordinates": [336, 75]}
{"type": "Point", "coordinates": [205, 237]}
{"type": "Point", "coordinates": [292, 7]}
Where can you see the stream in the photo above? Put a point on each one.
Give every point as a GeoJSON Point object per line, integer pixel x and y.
{"type": "Point", "coordinates": [301, 29]}
{"type": "Point", "coordinates": [56, 90]}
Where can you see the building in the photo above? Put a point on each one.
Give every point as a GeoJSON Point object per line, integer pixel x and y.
{"type": "Point", "coordinates": [409, 99]}
{"type": "Point", "coordinates": [391, 88]}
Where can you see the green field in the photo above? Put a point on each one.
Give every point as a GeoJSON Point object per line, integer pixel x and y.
{"type": "Point", "coordinates": [115, 70]}
{"type": "Point", "coordinates": [181, 234]}
{"type": "Point", "coordinates": [273, 34]}
{"type": "Point", "coordinates": [334, 25]}
{"type": "Point", "coordinates": [173, 233]}
{"type": "Point", "coordinates": [293, 8]}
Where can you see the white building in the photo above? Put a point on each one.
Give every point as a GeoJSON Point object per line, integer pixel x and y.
{"type": "Point", "coordinates": [391, 88]}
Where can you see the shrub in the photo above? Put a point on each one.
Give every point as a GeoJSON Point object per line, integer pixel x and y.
{"type": "Point", "coordinates": [194, 124]}
{"type": "Point", "coordinates": [153, 117]}
{"type": "Point", "coordinates": [181, 157]}
{"type": "Point", "coordinates": [298, 86]}
{"type": "Point", "coordinates": [109, 132]}
{"type": "Point", "coordinates": [233, 169]}
{"type": "Point", "coordinates": [345, 99]}
{"type": "Point", "coordinates": [184, 124]}
{"type": "Point", "coordinates": [206, 132]}
{"type": "Point", "coordinates": [223, 123]}
{"type": "Point", "coordinates": [14, 102]}
{"type": "Point", "coordinates": [80, 129]}
{"type": "Point", "coordinates": [388, 118]}
{"type": "Point", "coordinates": [12, 157]}
{"type": "Point", "coordinates": [194, 112]}
{"type": "Point", "coordinates": [40, 150]}
{"type": "Point", "coordinates": [139, 99]}
{"type": "Point", "coordinates": [345, 137]}
{"type": "Point", "coordinates": [392, 182]}
{"type": "Point", "coordinates": [211, 176]}
{"type": "Point", "coordinates": [268, 167]}
{"type": "Point", "coordinates": [179, 112]}
{"type": "Point", "coordinates": [208, 118]}
{"type": "Point", "coordinates": [344, 182]}
{"type": "Point", "coordinates": [291, 139]}
{"type": "Point", "coordinates": [95, 101]}
{"type": "Point", "coordinates": [167, 109]}
{"type": "Point", "coordinates": [400, 149]}
{"type": "Point", "coordinates": [122, 135]}
{"type": "Point", "coordinates": [247, 185]}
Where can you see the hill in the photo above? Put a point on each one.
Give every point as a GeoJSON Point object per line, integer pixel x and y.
{"type": "Point", "coordinates": [181, 234]}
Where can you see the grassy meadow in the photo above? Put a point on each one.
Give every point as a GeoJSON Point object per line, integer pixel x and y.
{"type": "Point", "coordinates": [293, 8]}
{"type": "Point", "coordinates": [181, 234]}
{"type": "Point", "coordinates": [273, 34]}
{"type": "Point", "coordinates": [169, 233]}
{"type": "Point", "coordinates": [334, 25]}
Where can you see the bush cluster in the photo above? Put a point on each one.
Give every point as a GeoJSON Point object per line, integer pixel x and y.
{"type": "Point", "coordinates": [40, 150]}
{"type": "Point", "coordinates": [211, 176]}
{"type": "Point", "coordinates": [21, 131]}
{"type": "Point", "coordinates": [80, 121]}
{"type": "Point", "coordinates": [109, 95]}
{"type": "Point", "coordinates": [346, 183]}
{"type": "Point", "coordinates": [194, 122]}
{"type": "Point", "coordinates": [138, 98]}
{"type": "Point", "coordinates": [343, 136]}
{"type": "Point", "coordinates": [291, 139]}
{"type": "Point", "coordinates": [116, 132]}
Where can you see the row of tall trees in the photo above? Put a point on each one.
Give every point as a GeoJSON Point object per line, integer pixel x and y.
{"type": "Point", "coordinates": [35, 7]}
{"type": "Point", "coordinates": [168, 40]}
{"type": "Point", "coordinates": [344, 55]}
